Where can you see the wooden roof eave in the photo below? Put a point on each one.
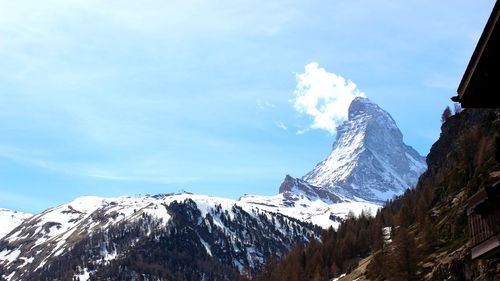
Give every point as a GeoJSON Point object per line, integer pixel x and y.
{"type": "Point", "coordinates": [478, 54]}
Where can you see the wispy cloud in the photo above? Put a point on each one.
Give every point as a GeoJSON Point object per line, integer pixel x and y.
{"type": "Point", "coordinates": [147, 170]}
{"type": "Point", "coordinates": [302, 131]}
{"type": "Point", "coordinates": [265, 105]}
{"type": "Point", "coordinates": [281, 125]}
{"type": "Point", "coordinates": [324, 96]}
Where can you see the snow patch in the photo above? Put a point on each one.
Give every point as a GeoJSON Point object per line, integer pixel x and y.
{"type": "Point", "coordinates": [11, 219]}
{"type": "Point", "coordinates": [207, 247]}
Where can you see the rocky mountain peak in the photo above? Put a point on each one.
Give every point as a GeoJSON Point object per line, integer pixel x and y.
{"type": "Point", "coordinates": [369, 160]}
{"type": "Point", "coordinates": [364, 106]}
{"type": "Point", "coordinates": [368, 116]}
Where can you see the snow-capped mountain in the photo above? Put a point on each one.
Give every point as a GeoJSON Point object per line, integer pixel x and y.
{"type": "Point", "coordinates": [10, 220]}
{"type": "Point", "coordinates": [369, 160]}
{"type": "Point", "coordinates": [164, 237]}
{"type": "Point", "coordinates": [195, 237]}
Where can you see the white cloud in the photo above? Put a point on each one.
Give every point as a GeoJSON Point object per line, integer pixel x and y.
{"type": "Point", "coordinates": [324, 96]}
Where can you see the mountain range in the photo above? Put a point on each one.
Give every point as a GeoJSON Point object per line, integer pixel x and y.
{"type": "Point", "coordinates": [92, 236]}
{"type": "Point", "coordinates": [186, 236]}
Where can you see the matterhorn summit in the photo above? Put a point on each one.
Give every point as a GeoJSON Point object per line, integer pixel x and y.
{"type": "Point", "coordinates": [369, 160]}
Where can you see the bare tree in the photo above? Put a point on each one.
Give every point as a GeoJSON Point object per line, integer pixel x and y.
{"type": "Point", "coordinates": [446, 114]}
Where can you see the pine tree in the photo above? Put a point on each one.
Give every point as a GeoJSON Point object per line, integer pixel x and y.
{"type": "Point", "coordinates": [403, 259]}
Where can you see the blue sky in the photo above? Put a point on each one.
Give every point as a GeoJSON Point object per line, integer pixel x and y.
{"type": "Point", "coordinates": [142, 97]}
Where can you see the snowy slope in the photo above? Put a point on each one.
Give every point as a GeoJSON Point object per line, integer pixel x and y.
{"type": "Point", "coordinates": [10, 220]}
{"type": "Point", "coordinates": [369, 160]}
{"type": "Point", "coordinates": [315, 211]}
{"type": "Point", "coordinates": [241, 232]}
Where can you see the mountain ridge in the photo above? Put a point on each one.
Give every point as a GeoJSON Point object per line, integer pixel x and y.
{"type": "Point", "coordinates": [226, 233]}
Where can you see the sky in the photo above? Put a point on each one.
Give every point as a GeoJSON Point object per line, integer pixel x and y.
{"type": "Point", "coordinates": [218, 97]}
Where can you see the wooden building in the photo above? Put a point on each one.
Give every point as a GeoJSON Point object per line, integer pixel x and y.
{"type": "Point", "coordinates": [480, 88]}
{"type": "Point", "coordinates": [480, 85]}
{"type": "Point", "coordinates": [483, 215]}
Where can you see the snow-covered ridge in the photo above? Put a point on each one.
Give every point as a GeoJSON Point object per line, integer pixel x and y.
{"type": "Point", "coordinates": [10, 219]}
{"type": "Point", "coordinates": [49, 235]}
{"type": "Point", "coordinates": [315, 211]}
{"type": "Point", "coordinates": [293, 188]}
{"type": "Point", "coordinates": [61, 221]}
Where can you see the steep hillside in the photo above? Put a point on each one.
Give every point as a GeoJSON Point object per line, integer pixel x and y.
{"type": "Point", "coordinates": [423, 234]}
{"type": "Point", "coordinates": [464, 159]}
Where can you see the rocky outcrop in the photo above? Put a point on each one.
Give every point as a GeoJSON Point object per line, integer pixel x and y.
{"type": "Point", "coordinates": [291, 187]}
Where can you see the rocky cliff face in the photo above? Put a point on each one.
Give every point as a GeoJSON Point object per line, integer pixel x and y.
{"type": "Point", "coordinates": [369, 160]}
